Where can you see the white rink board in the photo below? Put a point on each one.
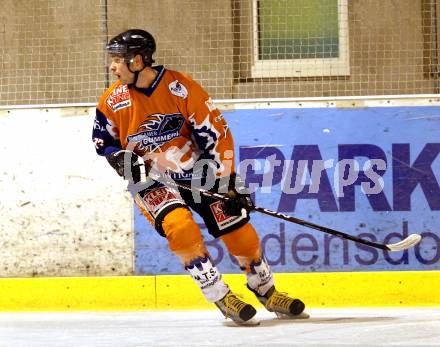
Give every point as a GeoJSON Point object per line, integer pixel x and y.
{"type": "Point", "coordinates": [326, 327]}
{"type": "Point", "coordinates": [63, 212]}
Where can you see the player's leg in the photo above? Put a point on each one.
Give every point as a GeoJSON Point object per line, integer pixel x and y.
{"type": "Point", "coordinates": [173, 220]}
{"type": "Point", "coordinates": [244, 244]}
{"type": "Point", "coordinates": [185, 240]}
{"type": "Point", "coordinates": [202, 268]}
{"type": "Point", "coordinates": [242, 241]}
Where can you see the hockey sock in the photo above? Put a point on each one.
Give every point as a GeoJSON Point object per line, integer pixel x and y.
{"type": "Point", "coordinates": [260, 279]}
{"type": "Point", "coordinates": [208, 278]}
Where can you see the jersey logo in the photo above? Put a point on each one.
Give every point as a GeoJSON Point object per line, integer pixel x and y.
{"type": "Point", "coordinates": [223, 220]}
{"type": "Point", "coordinates": [119, 98]}
{"type": "Point", "coordinates": [178, 89]}
{"type": "Point", "coordinates": [155, 131]}
{"type": "Point", "coordinates": [158, 199]}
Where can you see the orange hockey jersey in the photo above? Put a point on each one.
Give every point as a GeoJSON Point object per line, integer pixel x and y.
{"type": "Point", "coordinates": [171, 125]}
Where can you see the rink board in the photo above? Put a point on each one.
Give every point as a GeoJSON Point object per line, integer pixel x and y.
{"type": "Point", "coordinates": [271, 143]}
{"type": "Point", "coordinates": [178, 292]}
{"type": "Point", "coordinates": [324, 272]}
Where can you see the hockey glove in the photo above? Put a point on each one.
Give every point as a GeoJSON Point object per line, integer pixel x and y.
{"type": "Point", "coordinates": [126, 165]}
{"type": "Point", "coordinates": [238, 197]}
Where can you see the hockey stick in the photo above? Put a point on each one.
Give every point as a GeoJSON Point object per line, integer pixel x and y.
{"type": "Point", "coordinates": [408, 242]}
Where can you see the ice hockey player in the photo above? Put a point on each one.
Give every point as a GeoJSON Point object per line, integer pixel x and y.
{"type": "Point", "coordinates": [168, 120]}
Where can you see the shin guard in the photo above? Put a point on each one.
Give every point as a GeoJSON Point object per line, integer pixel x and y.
{"type": "Point", "coordinates": [244, 244]}
{"type": "Point", "coordinates": [183, 235]}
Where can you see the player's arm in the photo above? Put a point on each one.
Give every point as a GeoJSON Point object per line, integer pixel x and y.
{"type": "Point", "coordinates": [105, 135]}
{"type": "Point", "coordinates": [107, 143]}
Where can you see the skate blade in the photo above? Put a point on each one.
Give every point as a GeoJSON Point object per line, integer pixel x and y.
{"type": "Point", "coordinates": [302, 315]}
{"type": "Point", "coordinates": [249, 323]}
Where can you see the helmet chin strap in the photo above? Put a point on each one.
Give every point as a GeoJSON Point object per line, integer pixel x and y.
{"type": "Point", "coordinates": [136, 74]}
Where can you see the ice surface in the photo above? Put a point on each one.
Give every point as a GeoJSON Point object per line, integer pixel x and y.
{"type": "Point", "coordinates": [326, 327]}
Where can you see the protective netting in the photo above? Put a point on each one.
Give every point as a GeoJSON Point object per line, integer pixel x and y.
{"type": "Point", "coordinates": [52, 52]}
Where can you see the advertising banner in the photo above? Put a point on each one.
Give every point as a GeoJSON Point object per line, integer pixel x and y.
{"type": "Point", "coordinates": [370, 172]}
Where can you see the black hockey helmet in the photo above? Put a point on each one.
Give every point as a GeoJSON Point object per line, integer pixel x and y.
{"type": "Point", "coordinates": [133, 42]}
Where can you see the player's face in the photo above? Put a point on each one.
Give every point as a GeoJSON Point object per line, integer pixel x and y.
{"type": "Point", "coordinates": [119, 69]}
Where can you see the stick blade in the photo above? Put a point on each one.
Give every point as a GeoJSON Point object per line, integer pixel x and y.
{"type": "Point", "coordinates": [409, 242]}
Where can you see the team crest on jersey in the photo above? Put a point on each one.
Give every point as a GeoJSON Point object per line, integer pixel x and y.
{"type": "Point", "coordinates": [178, 89]}
{"type": "Point", "coordinates": [155, 131]}
{"type": "Point", "coordinates": [119, 98]}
